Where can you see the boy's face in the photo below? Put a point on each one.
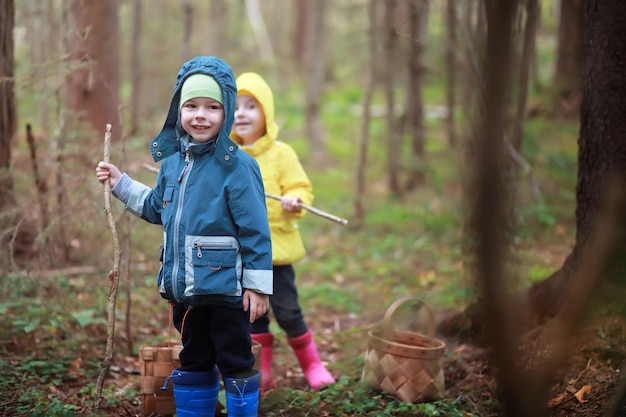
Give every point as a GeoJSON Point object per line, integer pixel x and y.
{"type": "Point", "coordinates": [249, 119]}
{"type": "Point", "coordinates": [202, 118]}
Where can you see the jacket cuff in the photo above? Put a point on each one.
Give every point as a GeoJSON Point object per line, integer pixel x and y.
{"type": "Point", "coordinates": [121, 191]}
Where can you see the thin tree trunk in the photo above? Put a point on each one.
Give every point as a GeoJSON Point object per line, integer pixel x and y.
{"type": "Point", "coordinates": [187, 30]}
{"type": "Point", "coordinates": [530, 31]}
{"type": "Point", "coordinates": [266, 51]}
{"type": "Point", "coordinates": [40, 183]}
{"type": "Point", "coordinates": [451, 64]}
{"type": "Point", "coordinates": [393, 143]}
{"type": "Point", "coordinates": [217, 28]}
{"type": "Point", "coordinates": [359, 195]}
{"type": "Point", "coordinates": [135, 68]}
{"type": "Point", "coordinates": [7, 126]}
{"type": "Point", "coordinates": [534, 62]}
{"type": "Point", "coordinates": [41, 35]}
{"type": "Point", "coordinates": [415, 107]}
{"type": "Point", "coordinates": [472, 28]}
{"type": "Point", "coordinates": [316, 65]}
{"type": "Point", "coordinates": [301, 23]}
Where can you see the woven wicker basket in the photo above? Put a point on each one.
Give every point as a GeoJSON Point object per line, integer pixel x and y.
{"type": "Point", "coordinates": [407, 365]}
{"type": "Point", "coordinates": [157, 363]}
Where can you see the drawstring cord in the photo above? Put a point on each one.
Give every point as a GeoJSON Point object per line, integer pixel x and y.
{"type": "Point", "coordinates": [182, 325]}
{"type": "Point", "coordinates": [174, 374]}
{"type": "Point", "coordinates": [169, 324]}
{"type": "Point", "coordinates": [241, 392]}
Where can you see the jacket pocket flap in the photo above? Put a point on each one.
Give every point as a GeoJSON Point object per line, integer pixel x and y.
{"type": "Point", "coordinates": [215, 259]}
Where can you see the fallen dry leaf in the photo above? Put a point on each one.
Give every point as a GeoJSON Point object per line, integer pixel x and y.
{"type": "Point", "coordinates": [580, 395]}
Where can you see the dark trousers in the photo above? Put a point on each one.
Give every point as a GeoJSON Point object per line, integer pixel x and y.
{"type": "Point", "coordinates": [214, 335]}
{"type": "Point", "coordinates": [284, 305]}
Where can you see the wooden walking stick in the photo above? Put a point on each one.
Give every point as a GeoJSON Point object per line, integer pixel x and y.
{"type": "Point", "coordinates": [314, 210]}
{"type": "Point", "coordinates": [114, 277]}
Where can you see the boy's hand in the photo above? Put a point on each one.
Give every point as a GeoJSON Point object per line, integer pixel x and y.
{"type": "Point", "coordinates": [108, 171]}
{"type": "Point", "coordinates": [257, 303]}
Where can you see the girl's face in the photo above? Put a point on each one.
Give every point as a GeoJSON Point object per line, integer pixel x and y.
{"type": "Point", "coordinates": [249, 119]}
{"type": "Point", "coordinates": [202, 118]}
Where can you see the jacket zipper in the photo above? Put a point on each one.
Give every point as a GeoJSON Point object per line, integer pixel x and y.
{"type": "Point", "coordinates": [200, 246]}
{"type": "Point", "coordinates": [182, 173]}
{"type": "Point", "coordinates": [183, 180]}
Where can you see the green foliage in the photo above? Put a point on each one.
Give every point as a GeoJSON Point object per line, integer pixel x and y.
{"type": "Point", "coordinates": [87, 317]}
{"type": "Point", "coordinates": [354, 398]}
{"type": "Point", "coordinates": [329, 295]}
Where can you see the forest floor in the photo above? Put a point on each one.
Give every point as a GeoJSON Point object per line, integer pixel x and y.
{"type": "Point", "coordinates": [593, 369]}
{"type": "Point", "coordinates": [583, 388]}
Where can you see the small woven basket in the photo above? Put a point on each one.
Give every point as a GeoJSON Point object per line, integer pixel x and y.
{"type": "Point", "coordinates": [405, 364]}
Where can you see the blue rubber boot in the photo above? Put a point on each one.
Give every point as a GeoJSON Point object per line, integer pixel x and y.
{"type": "Point", "coordinates": [195, 393]}
{"type": "Point", "coordinates": [242, 395]}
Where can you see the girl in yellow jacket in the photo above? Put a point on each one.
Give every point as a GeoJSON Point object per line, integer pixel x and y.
{"type": "Point", "coordinates": [255, 131]}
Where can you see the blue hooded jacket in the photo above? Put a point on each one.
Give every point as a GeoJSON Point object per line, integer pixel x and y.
{"type": "Point", "coordinates": [210, 199]}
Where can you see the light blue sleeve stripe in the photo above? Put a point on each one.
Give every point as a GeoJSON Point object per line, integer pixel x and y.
{"type": "Point", "coordinates": [136, 197]}
{"type": "Point", "coordinates": [261, 281]}
{"type": "Point", "coordinates": [122, 188]}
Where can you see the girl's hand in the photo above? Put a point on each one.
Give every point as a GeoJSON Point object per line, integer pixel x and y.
{"type": "Point", "coordinates": [292, 204]}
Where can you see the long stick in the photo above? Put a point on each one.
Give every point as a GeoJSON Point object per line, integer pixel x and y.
{"type": "Point", "coordinates": [313, 210]}
{"type": "Point", "coordinates": [114, 277]}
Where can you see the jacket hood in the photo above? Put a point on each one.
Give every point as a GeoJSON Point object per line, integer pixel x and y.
{"type": "Point", "coordinates": [250, 83]}
{"type": "Point", "coordinates": [168, 141]}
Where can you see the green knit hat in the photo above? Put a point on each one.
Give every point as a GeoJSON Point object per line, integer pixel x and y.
{"type": "Point", "coordinates": [200, 85]}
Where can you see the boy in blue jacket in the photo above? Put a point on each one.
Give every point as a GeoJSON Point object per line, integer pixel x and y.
{"type": "Point", "coordinates": [217, 261]}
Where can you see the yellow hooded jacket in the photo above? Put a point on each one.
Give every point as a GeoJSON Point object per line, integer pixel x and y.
{"type": "Point", "coordinates": [282, 174]}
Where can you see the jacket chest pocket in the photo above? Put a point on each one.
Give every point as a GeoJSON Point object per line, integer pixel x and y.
{"type": "Point", "coordinates": [168, 195]}
{"type": "Point", "coordinates": [214, 270]}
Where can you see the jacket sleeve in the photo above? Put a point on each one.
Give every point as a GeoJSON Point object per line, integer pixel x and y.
{"type": "Point", "coordinates": [139, 199]}
{"type": "Point", "coordinates": [246, 199]}
{"type": "Point", "coordinates": [294, 181]}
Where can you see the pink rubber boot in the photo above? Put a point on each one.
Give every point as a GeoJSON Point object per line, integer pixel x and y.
{"type": "Point", "coordinates": [267, 349]}
{"type": "Point", "coordinates": [306, 352]}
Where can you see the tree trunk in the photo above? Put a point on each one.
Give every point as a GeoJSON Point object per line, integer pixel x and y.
{"type": "Point", "coordinates": [530, 31]}
{"type": "Point", "coordinates": [92, 90]}
{"type": "Point", "coordinates": [569, 62]}
{"type": "Point", "coordinates": [315, 72]}
{"type": "Point", "coordinates": [40, 53]}
{"type": "Point", "coordinates": [393, 142]}
{"type": "Point", "coordinates": [266, 51]}
{"type": "Point", "coordinates": [300, 31]}
{"type": "Point", "coordinates": [217, 29]}
{"type": "Point", "coordinates": [135, 68]}
{"type": "Point", "coordinates": [473, 34]}
{"type": "Point", "coordinates": [7, 125]}
{"type": "Point", "coordinates": [602, 147]}
{"type": "Point", "coordinates": [520, 393]}
{"type": "Point", "coordinates": [185, 48]}
{"type": "Point", "coordinates": [415, 104]}
{"type": "Point", "coordinates": [451, 64]}
{"type": "Point", "coordinates": [360, 191]}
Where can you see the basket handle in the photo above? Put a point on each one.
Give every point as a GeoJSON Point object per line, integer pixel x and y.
{"type": "Point", "coordinates": [396, 304]}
